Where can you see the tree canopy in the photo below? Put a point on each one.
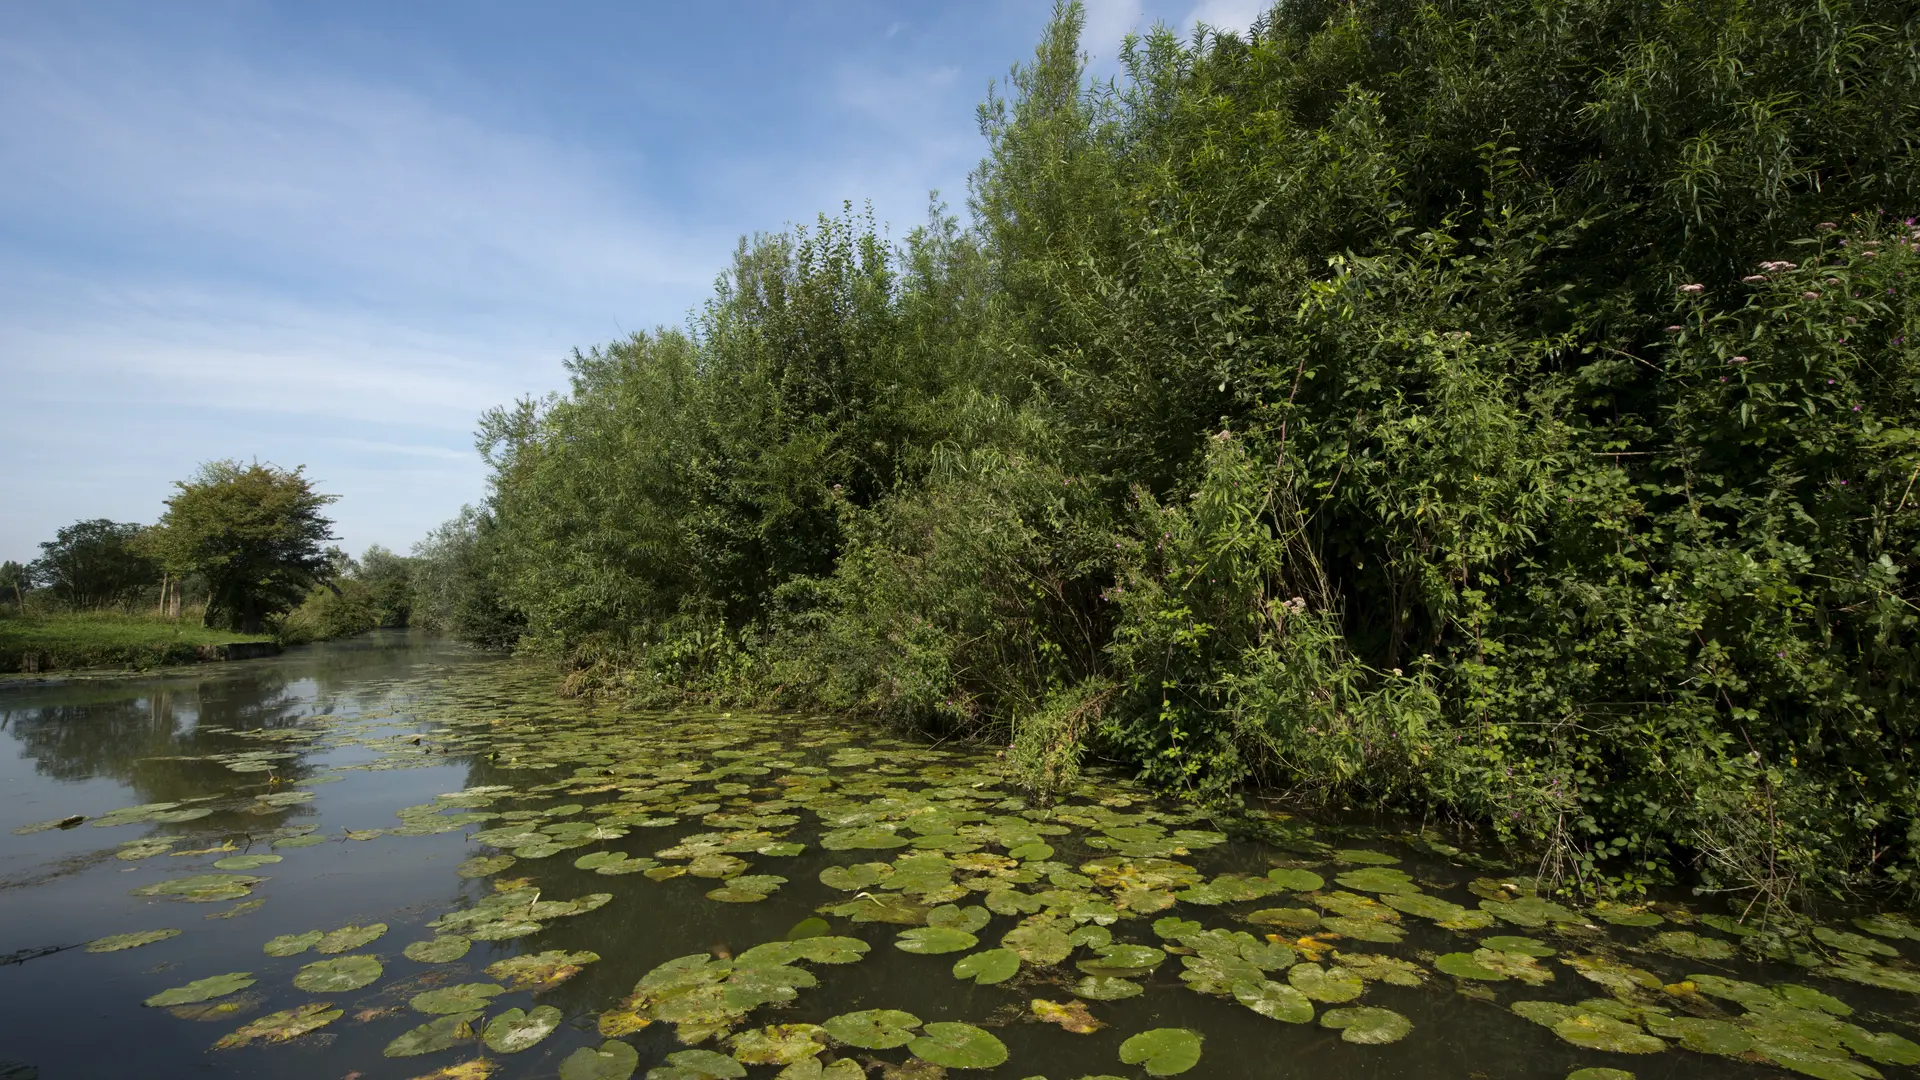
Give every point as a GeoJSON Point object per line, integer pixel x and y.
{"type": "Point", "coordinates": [254, 532]}
{"type": "Point", "coordinates": [92, 564]}
{"type": "Point", "coordinates": [1508, 408]}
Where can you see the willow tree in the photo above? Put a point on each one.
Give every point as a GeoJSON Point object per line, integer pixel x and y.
{"type": "Point", "coordinates": [254, 532]}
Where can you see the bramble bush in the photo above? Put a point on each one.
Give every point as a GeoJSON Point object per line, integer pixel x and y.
{"type": "Point", "coordinates": [1499, 409]}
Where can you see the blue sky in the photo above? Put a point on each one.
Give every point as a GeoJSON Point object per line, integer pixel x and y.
{"type": "Point", "coordinates": [331, 234]}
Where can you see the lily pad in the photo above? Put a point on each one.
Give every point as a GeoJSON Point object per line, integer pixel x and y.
{"type": "Point", "coordinates": [1847, 941]}
{"type": "Point", "coordinates": [1525, 946]}
{"type": "Point", "coordinates": [1296, 880]}
{"type": "Point", "coordinates": [292, 944]}
{"type": "Point", "coordinates": [1040, 944]}
{"type": "Point", "coordinates": [348, 938]}
{"type": "Point", "coordinates": [1301, 919]}
{"type": "Point", "coordinates": [443, 949]}
{"type": "Point", "coordinates": [1688, 944]}
{"type": "Point", "coordinates": [778, 1044]}
{"type": "Point", "coordinates": [484, 865]}
{"type": "Point", "coordinates": [1333, 985]}
{"type": "Point", "coordinates": [117, 942]}
{"type": "Point", "coordinates": [1378, 879]}
{"type": "Point", "coordinates": [338, 975]}
{"type": "Point", "coordinates": [206, 989]}
{"type": "Point", "coordinates": [540, 971]}
{"type": "Point", "coordinates": [988, 966]}
{"type": "Point", "coordinates": [1367, 1026]}
{"type": "Point", "coordinates": [1596, 1032]}
{"type": "Point", "coordinates": [466, 997]}
{"type": "Point", "coordinates": [433, 1036]}
{"type": "Point", "coordinates": [1702, 1035]}
{"type": "Point", "coordinates": [611, 1060]}
{"type": "Point", "coordinates": [1276, 1000]}
{"type": "Point", "coordinates": [282, 1026]}
{"type": "Point", "coordinates": [958, 1046]}
{"type": "Point", "coordinates": [1107, 988]}
{"type": "Point", "coordinates": [514, 1030]}
{"type": "Point", "coordinates": [1072, 1016]}
{"type": "Point", "coordinates": [1162, 1051]}
{"type": "Point", "coordinates": [246, 862]}
{"type": "Point", "coordinates": [873, 1029]}
{"type": "Point", "coordinates": [934, 940]}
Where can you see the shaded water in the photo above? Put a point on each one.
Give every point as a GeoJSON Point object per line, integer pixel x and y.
{"type": "Point", "coordinates": [402, 781]}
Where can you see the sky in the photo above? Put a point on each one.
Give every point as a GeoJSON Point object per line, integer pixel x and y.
{"type": "Point", "coordinates": [331, 235]}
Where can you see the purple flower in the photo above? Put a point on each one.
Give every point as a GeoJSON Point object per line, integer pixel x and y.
{"type": "Point", "coordinates": [1856, 408]}
{"type": "Point", "coordinates": [1723, 378]}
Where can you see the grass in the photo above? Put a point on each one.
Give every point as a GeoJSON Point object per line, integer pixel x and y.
{"type": "Point", "coordinates": [104, 639]}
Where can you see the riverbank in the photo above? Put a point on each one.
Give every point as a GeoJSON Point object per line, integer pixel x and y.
{"type": "Point", "coordinates": [65, 642]}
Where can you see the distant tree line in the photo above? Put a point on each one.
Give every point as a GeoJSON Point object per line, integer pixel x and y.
{"type": "Point", "coordinates": [241, 546]}
{"type": "Point", "coordinates": [1504, 409]}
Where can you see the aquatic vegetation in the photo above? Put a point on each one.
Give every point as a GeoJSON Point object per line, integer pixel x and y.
{"type": "Point", "coordinates": [1162, 1051]}
{"type": "Point", "coordinates": [282, 1026]}
{"type": "Point", "coordinates": [118, 942]}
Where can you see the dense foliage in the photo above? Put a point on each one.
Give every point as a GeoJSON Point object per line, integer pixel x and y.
{"type": "Point", "coordinates": [372, 592]}
{"type": "Point", "coordinates": [253, 533]}
{"type": "Point", "coordinates": [1503, 407]}
{"type": "Point", "coordinates": [89, 564]}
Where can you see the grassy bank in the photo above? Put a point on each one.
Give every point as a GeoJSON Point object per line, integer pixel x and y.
{"type": "Point", "coordinates": [103, 639]}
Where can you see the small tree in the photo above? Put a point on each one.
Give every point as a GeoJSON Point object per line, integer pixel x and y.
{"type": "Point", "coordinates": [92, 564]}
{"type": "Point", "coordinates": [15, 580]}
{"type": "Point", "coordinates": [254, 532]}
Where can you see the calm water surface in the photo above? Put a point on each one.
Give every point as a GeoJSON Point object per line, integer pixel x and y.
{"type": "Point", "coordinates": [357, 764]}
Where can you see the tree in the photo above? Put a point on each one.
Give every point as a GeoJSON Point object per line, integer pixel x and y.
{"type": "Point", "coordinates": [15, 578]}
{"type": "Point", "coordinates": [91, 564]}
{"type": "Point", "coordinates": [254, 532]}
{"type": "Point", "coordinates": [389, 578]}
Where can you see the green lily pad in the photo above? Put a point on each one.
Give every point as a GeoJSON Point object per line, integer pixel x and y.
{"type": "Point", "coordinates": [338, 975]}
{"type": "Point", "coordinates": [1806, 997]}
{"type": "Point", "coordinates": [953, 917]}
{"type": "Point", "coordinates": [1688, 944]}
{"type": "Point", "coordinates": [813, 1069]}
{"type": "Point", "coordinates": [934, 940]}
{"type": "Point", "coordinates": [1425, 906]}
{"type": "Point", "coordinates": [1884, 1047]}
{"type": "Point", "coordinates": [958, 1046]}
{"type": "Point", "coordinates": [1375, 967]}
{"type": "Point", "coordinates": [1846, 941]}
{"type": "Point", "coordinates": [292, 944]}
{"type": "Point", "coordinates": [1868, 973]}
{"type": "Point", "coordinates": [117, 942]}
{"type": "Point", "coordinates": [1378, 879]}
{"type": "Point", "coordinates": [1296, 880]}
{"type": "Point", "coordinates": [778, 1044]}
{"type": "Point", "coordinates": [1162, 1051]}
{"type": "Point", "coordinates": [1525, 946]}
{"type": "Point", "coordinates": [1276, 1000]}
{"type": "Point", "coordinates": [515, 1030]}
{"type": "Point", "coordinates": [466, 997]}
{"type": "Point", "coordinates": [205, 989]}
{"type": "Point", "coordinates": [283, 1026]}
{"type": "Point", "coordinates": [348, 938]}
{"type": "Point", "coordinates": [1297, 919]}
{"type": "Point", "coordinates": [134, 851]}
{"type": "Point", "coordinates": [1367, 1026]}
{"type": "Point", "coordinates": [1123, 960]}
{"type": "Point", "coordinates": [1107, 988]}
{"type": "Point", "coordinates": [830, 949]}
{"type": "Point", "coordinates": [203, 888]}
{"type": "Point", "coordinates": [811, 926]}
{"type": "Point", "coordinates": [1463, 966]}
{"type": "Point", "coordinates": [443, 949]}
{"type": "Point", "coordinates": [1365, 858]}
{"type": "Point", "coordinates": [1596, 1032]}
{"type": "Point", "coordinates": [1702, 1035]}
{"type": "Point", "coordinates": [1040, 944]}
{"type": "Point", "coordinates": [1333, 985]}
{"type": "Point", "coordinates": [1173, 928]}
{"type": "Point", "coordinates": [873, 1029]}
{"type": "Point", "coordinates": [484, 865]}
{"type": "Point", "coordinates": [540, 971]}
{"type": "Point", "coordinates": [988, 966]}
{"type": "Point", "coordinates": [611, 1060]}
{"type": "Point", "coordinates": [855, 878]}
{"type": "Point", "coordinates": [246, 862]}
{"type": "Point", "coordinates": [1600, 1072]}
{"type": "Point", "coordinates": [306, 840]}
{"type": "Point", "coordinates": [1889, 925]}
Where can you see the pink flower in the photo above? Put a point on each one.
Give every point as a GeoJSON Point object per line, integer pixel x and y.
{"type": "Point", "coordinates": [1753, 279]}
{"type": "Point", "coordinates": [1675, 329]}
{"type": "Point", "coordinates": [1739, 359]}
{"type": "Point", "coordinates": [1693, 289]}
{"type": "Point", "coordinates": [1826, 226]}
{"type": "Point", "coordinates": [1809, 295]}
{"type": "Point", "coordinates": [1771, 267]}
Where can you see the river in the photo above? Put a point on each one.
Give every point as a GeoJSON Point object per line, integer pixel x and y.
{"type": "Point", "coordinates": [393, 857]}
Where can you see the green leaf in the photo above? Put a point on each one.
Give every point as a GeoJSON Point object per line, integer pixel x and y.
{"type": "Point", "coordinates": [1367, 1026]}
{"type": "Point", "coordinates": [444, 949]}
{"type": "Point", "coordinates": [348, 938]}
{"type": "Point", "coordinates": [117, 942]}
{"type": "Point", "coordinates": [465, 997]}
{"type": "Point", "coordinates": [988, 966]}
{"type": "Point", "coordinates": [1333, 985]}
{"type": "Point", "coordinates": [338, 975]}
{"type": "Point", "coordinates": [283, 1026]}
{"type": "Point", "coordinates": [611, 1060]}
{"type": "Point", "coordinates": [206, 989]}
{"type": "Point", "coordinates": [933, 940]}
{"type": "Point", "coordinates": [514, 1030]}
{"type": "Point", "coordinates": [958, 1046]}
{"type": "Point", "coordinates": [292, 944]}
{"type": "Point", "coordinates": [1162, 1051]}
{"type": "Point", "coordinates": [1276, 1000]}
{"type": "Point", "coordinates": [873, 1029]}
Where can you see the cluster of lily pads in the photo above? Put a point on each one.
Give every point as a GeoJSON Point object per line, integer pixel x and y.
{"type": "Point", "coordinates": [1103, 897]}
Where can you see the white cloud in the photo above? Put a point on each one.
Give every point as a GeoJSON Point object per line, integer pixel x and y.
{"type": "Point", "coordinates": [1234, 15]}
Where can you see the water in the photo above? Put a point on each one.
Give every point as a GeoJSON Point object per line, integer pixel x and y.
{"type": "Point", "coordinates": [388, 722]}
